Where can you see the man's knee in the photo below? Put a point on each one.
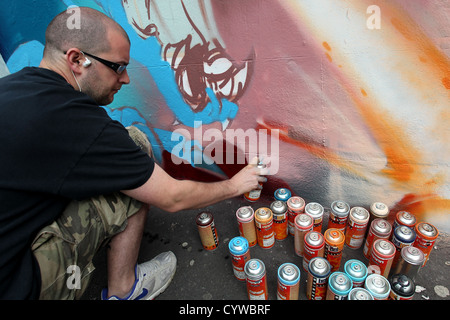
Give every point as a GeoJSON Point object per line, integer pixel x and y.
{"type": "Point", "coordinates": [140, 139]}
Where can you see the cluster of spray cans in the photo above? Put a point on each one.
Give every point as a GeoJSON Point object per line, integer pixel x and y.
{"type": "Point", "coordinates": [395, 252]}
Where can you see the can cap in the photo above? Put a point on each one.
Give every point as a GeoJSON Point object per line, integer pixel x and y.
{"type": "Point", "coordinates": [303, 220]}
{"type": "Point", "coordinates": [319, 266]}
{"type": "Point", "coordinates": [381, 226]}
{"type": "Point", "coordinates": [278, 207]}
{"type": "Point", "coordinates": [296, 202]}
{"type": "Point", "coordinates": [238, 245]}
{"type": "Point", "coordinates": [359, 213]}
{"type": "Point", "coordinates": [204, 218]}
{"type": "Point", "coordinates": [406, 218]}
{"type": "Point", "coordinates": [340, 283]}
{"type": "Point", "coordinates": [379, 209]}
{"type": "Point", "coordinates": [360, 294]}
{"type": "Point", "coordinates": [334, 236]}
{"type": "Point", "coordinates": [427, 230]}
{"type": "Point", "coordinates": [282, 194]}
{"type": "Point", "coordinates": [403, 285]}
{"type": "Point", "coordinates": [384, 247]}
{"type": "Point", "coordinates": [340, 208]}
{"type": "Point", "coordinates": [289, 273]}
{"type": "Point", "coordinates": [254, 269]}
{"type": "Point", "coordinates": [314, 209]}
{"type": "Point", "coordinates": [405, 234]}
{"type": "Point", "coordinates": [264, 213]}
{"type": "Point", "coordinates": [378, 285]}
{"type": "Point", "coordinates": [412, 255]}
{"type": "Point", "coordinates": [314, 239]}
{"type": "Point", "coordinates": [356, 270]}
{"type": "Point", "coordinates": [245, 212]}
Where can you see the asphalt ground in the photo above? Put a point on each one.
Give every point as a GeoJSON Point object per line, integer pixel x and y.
{"type": "Point", "coordinates": [204, 275]}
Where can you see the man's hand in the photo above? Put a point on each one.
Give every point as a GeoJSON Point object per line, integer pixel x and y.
{"type": "Point", "coordinates": [249, 178]}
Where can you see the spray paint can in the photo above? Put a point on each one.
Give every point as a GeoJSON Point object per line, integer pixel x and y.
{"type": "Point", "coordinates": [288, 282]}
{"type": "Point", "coordinates": [379, 229]}
{"type": "Point", "coordinates": [315, 210]}
{"type": "Point", "coordinates": [319, 270]}
{"type": "Point", "coordinates": [296, 205]}
{"type": "Point", "coordinates": [254, 195]}
{"type": "Point", "coordinates": [356, 227]}
{"type": "Point", "coordinates": [383, 252]}
{"type": "Point", "coordinates": [240, 254]}
{"type": "Point", "coordinates": [402, 237]}
{"type": "Point", "coordinates": [404, 218]}
{"type": "Point", "coordinates": [246, 223]}
{"type": "Point", "coordinates": [338, 215]}
{"type": "Point", "coordinates": [334, 244]}
{"type": "Point", "coordinates": [357, 271]}
{"type": "Point", "coordinates": [402, 287]}
{"type": "Point", "coordinates": [282, 194]}
{"type": "Point", "coordinates": [255, 272]}
{"type": "Point", "coordinates": [314, 246]}
{"type": "Point", "coordinates": [360, 294]}
{"type": "Point", "coordinates": [207, 230]}
{"type": "Point", "coordinates": [303, 224]}
{"type": "Point", "coordinates": [426, 235]}
{"type": "Point", "coordinates": [378, 286]}
{"type": "Point", "coordinates": [410, 262]}
{"type": "Point", "coordinates": [339, 286]}
{"type": "Point", "coordinates": [280, 219]}
{"type": "Point", "coordinates": [264, 228]}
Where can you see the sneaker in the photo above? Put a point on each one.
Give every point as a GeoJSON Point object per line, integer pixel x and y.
{"type": "Point", "coordinates": [152, 278]}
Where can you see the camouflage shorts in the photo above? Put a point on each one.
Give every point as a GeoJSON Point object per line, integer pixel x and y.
{"type": "Point", "coordinates": [65, 249]}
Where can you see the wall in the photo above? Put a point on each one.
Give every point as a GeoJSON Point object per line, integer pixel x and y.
{"type": "Point", "coordinates": [350, 97]}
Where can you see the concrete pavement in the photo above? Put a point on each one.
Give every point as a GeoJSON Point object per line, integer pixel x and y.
{"type": "Point", "coordinates": [208, 275]}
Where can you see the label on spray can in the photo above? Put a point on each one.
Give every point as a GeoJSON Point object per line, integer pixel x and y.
{"type": "Point", "coordinates": [356, 227]}
{"type": "Point", "coordinates": [240, 254]}
{"type": "Point", "coordinates": [426, 235]}
{"type": "Point", "coordinates": [246, 223]}
{"type": "Point", "coordinates": [288, 282]}
{"type": "Point", "coordinates": [334, 244]}
{"type": "Point", "coordinates": [279, 210]}
{"type": "Point", "coordinates": [255, 272]}
{"type": "Point", "coordinates": [315, 210]}
{"type": "Point", "coordinates": [318, 272]}
{"type": "Point", "coordinates": [338, 215]}
{"type": "Point", "coordinates": [207, 230]}
{"type": "Point", "coordinates": [264, 228]}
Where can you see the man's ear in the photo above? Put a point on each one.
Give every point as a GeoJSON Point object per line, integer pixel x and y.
{"type": "Point", "coordinates": [75, 59]}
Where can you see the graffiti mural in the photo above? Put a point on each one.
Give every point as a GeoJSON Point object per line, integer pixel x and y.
{"type": "Point", "coordinates": [355, 92]}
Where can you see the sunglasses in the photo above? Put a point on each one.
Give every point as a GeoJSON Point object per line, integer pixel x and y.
{"type": "Point", "coordinates": [118, 68]}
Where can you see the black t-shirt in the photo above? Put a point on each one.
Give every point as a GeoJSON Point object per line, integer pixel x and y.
{"type": "Point", "coordinates": [56, 144]}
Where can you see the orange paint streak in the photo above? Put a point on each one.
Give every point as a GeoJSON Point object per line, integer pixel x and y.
{"type": "Point", "coordinates": [326, 46]}
{"type": "Point", "coordinates": [420, 205]}
{"type": "Point", "coordinates": [410, 31]}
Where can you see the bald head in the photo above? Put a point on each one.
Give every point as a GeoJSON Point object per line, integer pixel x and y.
{"type": "Point", "coordinates": [91, 35]}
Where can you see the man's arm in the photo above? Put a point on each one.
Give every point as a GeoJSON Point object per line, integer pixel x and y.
{"type": "Point", "coordinates": [172, 195]}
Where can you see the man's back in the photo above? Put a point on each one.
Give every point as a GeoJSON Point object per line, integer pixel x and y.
{"type": "Point", "coordinates": [56, 145]}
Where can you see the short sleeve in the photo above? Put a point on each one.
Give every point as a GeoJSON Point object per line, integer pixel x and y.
{"type": "Point", "coordinates": [113, 162]}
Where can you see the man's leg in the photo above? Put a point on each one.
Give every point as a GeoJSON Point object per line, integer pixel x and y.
{"type": "Point", "coordinates": [122, 255]}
